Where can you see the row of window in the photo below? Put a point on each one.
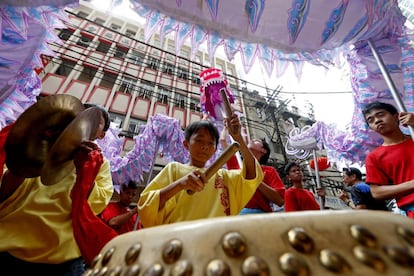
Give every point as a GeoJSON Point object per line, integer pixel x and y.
{"type": "Point", "coordinates": [130, 33]}
{"type": "Point", "coordinates": [138, 58]}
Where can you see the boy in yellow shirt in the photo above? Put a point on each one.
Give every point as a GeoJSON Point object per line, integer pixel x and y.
{"type": "Point", "coordinates": [166, 200]}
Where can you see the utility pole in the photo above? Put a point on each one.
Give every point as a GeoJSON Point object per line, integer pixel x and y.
{"type": "Point", "coordinates": [279, 138]}
{"type": "Point", "coordinates": [272, 109]}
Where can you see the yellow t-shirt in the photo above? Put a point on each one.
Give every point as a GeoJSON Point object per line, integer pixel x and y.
{"type": "Point", "coordinates": [226, 193]}
{"type": "Point", "coordinates": [35, 221]}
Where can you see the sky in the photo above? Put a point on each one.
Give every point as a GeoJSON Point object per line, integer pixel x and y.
{"type": "Point", "coordinates": [315, 85]}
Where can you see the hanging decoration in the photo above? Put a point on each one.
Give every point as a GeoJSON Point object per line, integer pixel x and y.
{"type": "Point", "coordinates": [323, 163]}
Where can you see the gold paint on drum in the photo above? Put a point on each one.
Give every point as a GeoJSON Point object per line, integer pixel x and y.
{"type": "Point", "coordinates": [217, 268]}
{"type": "Point", "coordinates": [363, 236]}
{"type": "Point", "coordinates": [182, 268]}
{"type": "Point", "coordinates": [132, 270]}
{"type": "Point", "coordinates": [406, 234]}
{"type": "Point", "coordinates": [107, 256]}
{"type": "Point", "coordinates": [96, 260]}
{"type": "Point", "coordinates": [132, 254]}
{"type": "Point", "coordinates": [115, 271]}
{"type": "Point", "coordinates": [255, 266]}
{"type": "Point", "coordinates": [293, 265]}
{"type": "Point", "coordinates": [370, 258]}
{"type": "Point", "coordinates": [234, 244]}
{"type": "Point", "coordinates": [300, 240]}
{"type": "Point", "coordinates": [172, 251]}
{"type": "Point", "coordinates": [399, 255]}
{"type": "Point", "coordinates": [154, 270]}
{"type": "Point", "coordinates": [333, 261]}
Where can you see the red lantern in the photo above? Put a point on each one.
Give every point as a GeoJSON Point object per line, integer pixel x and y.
{"type": "Point", "coordinates": [323, 163]}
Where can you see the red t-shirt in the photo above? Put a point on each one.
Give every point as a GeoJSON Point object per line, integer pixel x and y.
{"type": "Point", "coordinates": [270, 177]}
{"type": "Point", "coordinates": [300, 200]}
{"type": "Point", "coordinates": [392, 165]}
{"type": "Point", "coordinates": [114, 209]}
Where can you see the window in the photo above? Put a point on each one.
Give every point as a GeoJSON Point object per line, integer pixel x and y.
{"type": "Point", "coordinates": [185, 53]}
{"type": "Point", "coordinates": [108, 80]}
{"type": "Point", "coordinates": [103, 47]}
{"type": "Point", "coordinates": [99, 21]}
{"type": "Point", "coordinates": [196, 78]}
{"type": "Point", "coordinates": [146, 89]}
{"type": "Point", "coordinates": [197, 63]}
{"type": "Point", "coordinates": [168, 68]}
{"type": "Point", "coordinates": [116, 119]}
{"type": "Point", "coordinates": [130, 33]}
{"type": "Point", "coordinates": [109, 35]}
{"type": "Point", "coordinates": [195, 105]}
{"type": "Point", "coordinates": [65, 67]}
{"type": "Point", "coordinates": [182, 73]}
{"type": "Point", "coordinates": [115, 27]}
{"type": "Point", "coordinates": [171, 48]}
{"type": "Point", "coordinates": [84, 41]}
{"type": "Point", "coordinates": [92, 29]}
{"type": "Point", "coordinates": [154, 63]}
{"type": "Point", "coordinates": [179, 100]}
{"type": "Point", "coordinates": [162, 95]}
{"type": "Point", "coordinates": [82, 14]}
{"type": "Point", "coordinates": [231, 71]}
{"type": "Point", "coordinates": [134, 126]}
{"type": "Point", "coordinates": [120, 52]}
{"type": "Point", "coordinates": [136, 57]}
{"type": "Point", "coordinates": [141, 36]}
{"type": "Point", "coordinates": [157, 42]}
{"type": "Point", "coordinates": [65, 34]}
{"type": "Point", "coordinates": [127, 85]}
{"type": "Point", "coordinates": [234, 90]}
{"type": "Point", "coordinates": [87, 74]}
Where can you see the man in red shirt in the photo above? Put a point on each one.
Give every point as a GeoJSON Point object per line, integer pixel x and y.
{"type": "Point", "coordinates": [389, 168]}
{"type": "Point", "coordinates": [271, 190]}
{"type": "Point", "coordinates": [296, 197]}
{"type": "Point", "coordinates": [122, 215]}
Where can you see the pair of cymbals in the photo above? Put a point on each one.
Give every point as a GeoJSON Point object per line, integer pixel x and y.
{"type": "Point", "coordinates": [45, 136]}
{"type": "Point", "coordinates": [59, 161]}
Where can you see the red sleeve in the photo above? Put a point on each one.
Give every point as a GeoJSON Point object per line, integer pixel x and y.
{"type": "Point", "coordinates": [290, 201]}
{"type": "Point", "coordinates": [272, 178]}
{"type": "Point", "coordinates": [232, 163]}
{"type": "Point", "coordinates": [374, 174]}
{"type": "Point", "coordinates": [108, 213]}
{"type": "Point", "coordinates": [4, 133]}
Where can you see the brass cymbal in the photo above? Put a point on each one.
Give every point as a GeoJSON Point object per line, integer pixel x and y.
{"type": "Point", "coordinates": [35, 131]}
{"type": "Point", "coordinates": [59, 161]}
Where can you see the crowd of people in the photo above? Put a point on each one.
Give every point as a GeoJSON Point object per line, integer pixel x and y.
{"type": "Point", "coordinates": [70, 211]}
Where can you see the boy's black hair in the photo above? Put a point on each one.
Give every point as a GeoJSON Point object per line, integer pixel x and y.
{"type": "Point", "coordinates": [131, 184]}
{"type": "Point", "coordinates": [195, 126]}
{"type": "Point", "coordinates": [104, 113]}
{"type": "Point", "coordinates": [265, 158]}
{"type": "Point", "coordinates": [289, 166]}
{"type": "Point", "coordinates": [353, 171]}
{"type": "Point", "coordinates": [379, 105]}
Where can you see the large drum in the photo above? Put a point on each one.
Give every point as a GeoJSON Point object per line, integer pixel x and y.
{"type": "Point", "coordinates": [300, 243]}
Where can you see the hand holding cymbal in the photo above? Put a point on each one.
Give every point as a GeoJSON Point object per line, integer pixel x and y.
{"type": "Point", "coordinates": [59, 161]}
{"type": "Point", "coordinates": [36, 130]}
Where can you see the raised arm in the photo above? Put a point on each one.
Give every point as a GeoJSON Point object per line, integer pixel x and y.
{"type": "Point", "coordinates": [381, 192]}
{"type": "Point", "coordinates": [248, 158]}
